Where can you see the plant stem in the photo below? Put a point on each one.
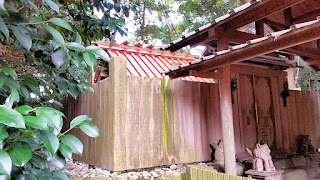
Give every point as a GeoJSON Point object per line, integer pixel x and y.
{"type": "Point", "coordinates": [65, 132]}
{"type": "Point", "coordinates": [35, 23]}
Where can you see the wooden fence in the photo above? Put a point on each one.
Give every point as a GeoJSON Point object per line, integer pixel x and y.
{"type": "Point", "coordinates": [303, 116]}
{"type": "Point", "coordinates": [205, 173]}
{"type": "Point", "coordinates": [147, 122]}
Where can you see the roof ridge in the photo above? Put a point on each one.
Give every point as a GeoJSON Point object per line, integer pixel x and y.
{"type": "Point", "coordinates": [144, 50]}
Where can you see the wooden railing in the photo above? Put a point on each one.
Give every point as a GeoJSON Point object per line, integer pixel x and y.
{"type": "Point", "coordinates": [208, 173]}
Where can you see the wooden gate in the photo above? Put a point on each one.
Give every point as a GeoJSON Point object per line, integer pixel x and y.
{"type": "Point", "coordinates": [256, 110]}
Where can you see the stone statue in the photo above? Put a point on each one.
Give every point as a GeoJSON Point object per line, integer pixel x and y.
{"type": "Point", "coordinates": [262, 160]}
{"type": "Point", "coordinates": [304, 145]}
{"type": "Point", "coordinates": [218, 154]}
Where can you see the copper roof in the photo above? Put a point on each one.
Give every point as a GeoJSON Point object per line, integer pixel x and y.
{"type": "Point", "coordinates": [147, 62]}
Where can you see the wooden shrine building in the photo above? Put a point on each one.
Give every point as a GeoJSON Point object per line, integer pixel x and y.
{"type": "Point", "coordinates": [155, 107]}
{"type": "Point", "coordinates": [282, 28]}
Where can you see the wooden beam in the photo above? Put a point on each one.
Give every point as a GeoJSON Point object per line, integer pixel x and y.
{"type": "Point", "coordinates": [306, 17]}
{"type": "Point", "coordinates": [304, 51]}
{"type": "Point", "coordinates": [279, 26]}
{"type": "Point", "coordinates": [253, 14]}
{"type": "Point", "coordinates": [249, 70]}
{"type": "Point", "coordinates": [241, 37]}
{"type": "Point", "coordinates": [288, 39]}
{"type": "Point", "coordinates": [227, 115]}
{"type": "Point", "coordinates": [288, 16]}
{"type": "Point", "coordinates": [259, 27]}
{"type": "Point", "coordinates": [208, 74]}
{"type": "Point", "coordinates": [213, 33]}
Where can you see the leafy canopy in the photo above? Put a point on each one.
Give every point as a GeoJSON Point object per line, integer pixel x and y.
{"type": "Point", "coordinates": [45, 54]}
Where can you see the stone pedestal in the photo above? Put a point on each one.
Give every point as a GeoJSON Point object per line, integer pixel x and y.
{"type": "Point", "coordinates": [268, 175]}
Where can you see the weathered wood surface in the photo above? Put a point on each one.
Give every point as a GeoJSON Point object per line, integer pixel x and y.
{"type": "Point", "coordinates": [303, 114]}
{"type": "Point", "coordinates": [147, 122]}
{"type": "Point", "coordinates": [150, 122]}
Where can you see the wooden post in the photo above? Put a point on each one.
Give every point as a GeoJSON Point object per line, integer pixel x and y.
{"type": "Point", "coordinates": [118, 112]}
{"type": "Point", "coordinates": [227, 114]}
{"type": "Point", "coordinates": [312, 86]}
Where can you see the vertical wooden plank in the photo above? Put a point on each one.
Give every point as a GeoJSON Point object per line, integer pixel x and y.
{"type": "Point", "coordinates": [236, 118]}
{"type": "Point", "coordinates": [277, 105]}
{"type": "Point", "coordinates": [118, 96]}
{"type": "Point", "coordinates": [196, 121]}
{"type": "Point", "coordinates": [283, 115]}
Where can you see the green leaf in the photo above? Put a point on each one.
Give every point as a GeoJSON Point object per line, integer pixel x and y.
{"type": "Point", "coordinates": [10, 72]}
{"type": "Point", "coordinates": [50, 141]}
{"type": "Point", "coordinates": [26, 134]}
{"type": "Point", "coordinates": [90, 129]}
{"type": "Point", "coordinates": [66, 151]}
{"type": "Point", "coordinates": [73, 142]}
{"type": "Point", "coordinates": [35, 122]}
{"type": "Point", "coordinates": [32, 83]}
{"type": "Point", "coordinates": [20, 153]}
{"type": "Point", "coordinates": [51, 116]}
{"type": "Point", "coordinates": [59, 57]}
{"type": "Point", "coordinates": [30, 177]}
{"type": "Point", "coordinates": [5, 163]}
{"type": "Point", "coordinates": [22, 36]}
{"type": "Point", "coordinates": [73, 90]}
{"type": "Point", "coordinates": [77, 38]}
{"type": "Point", "coordinates": [121, 21]}
{"type": "Point", "coordinates": [3, 132]}
{"type": "Point", "coordinates": [11, 117]}
{"type": "Point", "coordinates": [10, 82]}
{"type": "Point", "coordinates": [2, 9]}
{"type": "Point", "coordinates": [14, 96]}
{"type": "Point", "coordinates": [60, 175]}
{"type": "Point", "coordinates": [58, 161]}
{"type": "Point", "coordinates": [90, 59]}
{"type": "Point", "coordinates": [4, 29]}
{"type": "Point", "coordinates": [25, 109]}
{"type": "Point", "coordinates": [52, 5]}
{"type": "Point", "coordinates": [2, 81]}
{"type": "Point", "coordinates": [75, 46]}
{"type": "Point", "coordinates": [61, 22]}
{"type": "Point", "coordinates": [38, 162]}
{"type": "Point", "coordinates": [112, 26]}
{"type": "Point", "coordinates": [33, 6]}
{"type": "Point", "coordinates": [80, 119]}
{"type": "Point", "coordinates": [24, 92]}
{"type": "Point", "coordinates": [56, 35]}
{"type": "Point", "coordinates": [99, 52]}
{"type": "Point", "coordinates": [35, 19]}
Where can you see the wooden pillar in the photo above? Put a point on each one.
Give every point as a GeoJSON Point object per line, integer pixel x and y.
{"type": "Point", "coordinates": [227, 114]}
{"type": "Point", "coordinates": [117, 103]}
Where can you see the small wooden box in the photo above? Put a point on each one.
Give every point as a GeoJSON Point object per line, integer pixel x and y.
{"type": "Point", "coordinates": [270, 175]}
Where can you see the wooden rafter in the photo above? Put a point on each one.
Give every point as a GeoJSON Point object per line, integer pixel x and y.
{"type": "Point", "coordinates": [298, 34]}
{"type": "Point", "coordinates": [267, 8]}
{"type": "Point", "coordinates": [235, 20]}
{"type": "Point", "coordinates": [213, 75]}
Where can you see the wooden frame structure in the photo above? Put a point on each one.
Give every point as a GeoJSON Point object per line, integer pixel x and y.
{"type": "Point", "coordinates": [282, 28]}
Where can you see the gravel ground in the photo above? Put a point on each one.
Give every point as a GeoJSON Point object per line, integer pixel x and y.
{"type": "Point", "coordinates": [78, 170]}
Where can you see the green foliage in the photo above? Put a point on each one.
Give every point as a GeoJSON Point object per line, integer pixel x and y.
{"type": "Point", "coordinates": [193, 14]}
{"type": "Point", "coordinates": [304, 75]}
{"type": "Point", "coordinates": [45, 54]}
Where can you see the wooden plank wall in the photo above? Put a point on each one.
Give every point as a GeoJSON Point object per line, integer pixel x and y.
{"type": "Point", "coordinates": [96, 151]}
{"type": "Point", "coordinates": [147, 122]}
{"type": "Point", "coordinates": [303, 117]}
{"type": "Point", "coordinates": [193, 116]}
